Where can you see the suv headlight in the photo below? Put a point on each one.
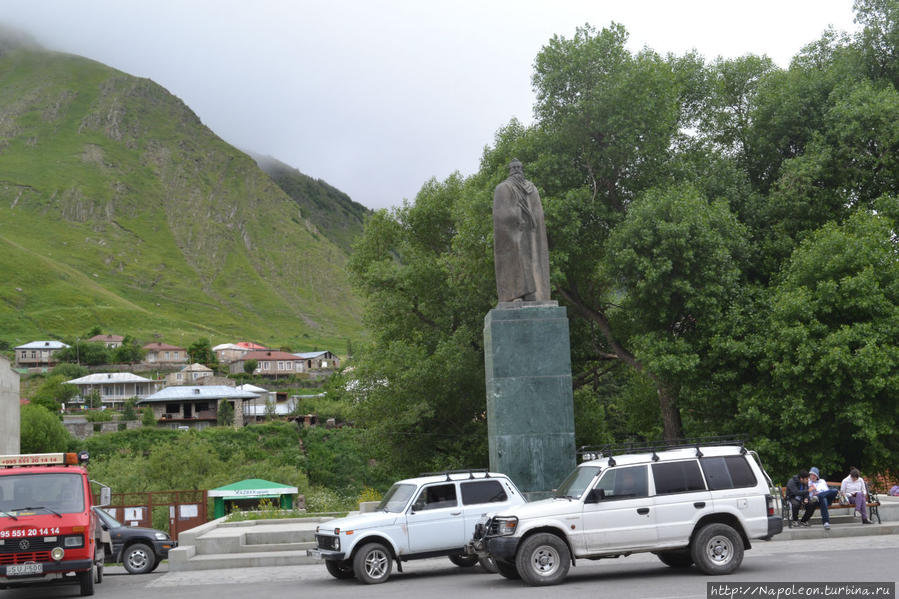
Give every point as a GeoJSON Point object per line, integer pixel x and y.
{"type": "Point", "coordinates": [161, 536]}
{"type": "Point", "coordinates": [504, 527]}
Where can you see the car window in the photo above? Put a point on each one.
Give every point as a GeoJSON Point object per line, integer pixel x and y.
{"type": "Point", "coordinates": [626, 482]}
{"type": "Point", "coordinates": [728, 472]}
{"type": "Point", "coordinates": [396, 497]}
{"type": "Point", "coordinates": [482, 491]}
{"type": "Point", "coordinates": [576, 482]}
{"type": "Point", "coordinates": [435, 497]}
{"type": "Point", "coordinates": [677, 477]}
{"type": "Point", "coordinates": [107, 518]}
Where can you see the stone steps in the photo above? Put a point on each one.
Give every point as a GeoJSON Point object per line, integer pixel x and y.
{"type": "Point", "coordinates": [248, 560]}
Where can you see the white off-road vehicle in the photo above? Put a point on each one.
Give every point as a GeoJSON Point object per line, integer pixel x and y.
{"type": "Point", "coordinates": [693, 505]}
{"type": "Point", "coordinates": [428, 516]}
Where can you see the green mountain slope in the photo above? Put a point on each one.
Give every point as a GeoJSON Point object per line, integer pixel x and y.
{"type": "Point", "coordinates": [119, 208]}
{"type": "Point", "coordinates": [330, 210]}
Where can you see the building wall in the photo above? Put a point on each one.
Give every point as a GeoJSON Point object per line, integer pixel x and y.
{"type": "Point", "coordinates": [9, 408]}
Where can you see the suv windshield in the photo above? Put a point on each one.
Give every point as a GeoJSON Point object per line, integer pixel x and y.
{"type": "Point", "coordinates": [396, 498]}
{"type": "Point", "coordinates": [576, 483]}
{"type": "Point", "coordinates": [108, 520]}
{"type": "Point", "coordinates": [57, 493]}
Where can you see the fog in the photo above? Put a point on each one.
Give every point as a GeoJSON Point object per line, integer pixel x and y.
{"type": "Point", "coordinates": [378, 96]}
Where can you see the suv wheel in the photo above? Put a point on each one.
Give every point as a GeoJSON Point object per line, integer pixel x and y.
{"type": "Point", "coordinates": [543, 559]}
{"type": "Point", "coordinates": [507, 570]}
{"type": "Point", "coordinates": [340, 570]}
{"type": "Point", "coordinates": [676, 559]}
{"type": "Point", "coordinates": [138, 559]}
{"type": "Point", "coordinates": [717, 549]}
{"type": "Point", "coordinates": [372, 563]}
{"type": "Point", "coordinates": [464, 561]}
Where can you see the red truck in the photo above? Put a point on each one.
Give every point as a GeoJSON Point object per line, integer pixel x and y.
{"type": "Point", "coordinates": [48, 532]}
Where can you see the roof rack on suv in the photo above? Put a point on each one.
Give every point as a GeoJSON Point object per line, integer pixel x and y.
{"type": "Point", "coordinates": [469, 471]}
{"type": "Point", "coordinates": [595, 452]}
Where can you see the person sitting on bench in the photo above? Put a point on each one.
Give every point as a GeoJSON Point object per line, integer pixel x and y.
{"type": "Point", "coordinates": [854, 489]}
{"type": "Point", "coordinates": [819, 491]}
{"type": "Point", "coordinates": [797, 495]}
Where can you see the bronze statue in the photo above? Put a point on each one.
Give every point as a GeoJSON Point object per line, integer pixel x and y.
{"type": "Point", "coordinates": [519, 240]}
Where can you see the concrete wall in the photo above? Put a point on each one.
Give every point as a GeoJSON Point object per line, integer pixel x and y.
{"type": "Point", "coordinates": [9, 408]}
{"type": "Point", "coordinates": [83, 430]}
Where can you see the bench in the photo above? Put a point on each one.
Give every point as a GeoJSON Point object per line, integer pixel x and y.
{"type": "Point", "coordinates": [840, 502]}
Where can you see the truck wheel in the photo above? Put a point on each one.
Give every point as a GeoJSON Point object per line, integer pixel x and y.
{"type": "Point", "coordinates": [543, 559]}
{"type": "Point", "coordinates": [676, 559]}
{"type": "Point", "coordinates": [138, 559]}
{"type": "Point", "coordinates": [86, 581]}
{"type": "Point", "coordinates": [340, 570]}
{"type": "Point", "coordinates": [717, 549]}
{"type": "Point", "coordinates": [507, 570]}
{"type": "Point", "coordinates": [372, 563]}
{"type": "Point", "coordinates": [488, 564]}
{"type": "Point", "coordinates": [464, 561]}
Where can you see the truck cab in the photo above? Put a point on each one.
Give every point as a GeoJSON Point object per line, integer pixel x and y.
{"type": "Point", "coordinates": [48, 532]}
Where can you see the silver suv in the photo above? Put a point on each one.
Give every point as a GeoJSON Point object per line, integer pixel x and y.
{"type": "Point", "coordinates": [699, 505]}
{"type": "Point", "coordinates": [427, 516]}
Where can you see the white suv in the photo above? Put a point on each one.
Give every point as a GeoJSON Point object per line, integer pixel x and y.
{"type": "Point", "coordinates": [428, 516]}
{"type": "Point", "coordinates": [697, 505]}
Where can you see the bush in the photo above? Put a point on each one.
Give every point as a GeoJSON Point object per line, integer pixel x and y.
{"type": "Point", "coordinates": [98, 416]}
{"type": "Point", "coordinates": [41, 431]}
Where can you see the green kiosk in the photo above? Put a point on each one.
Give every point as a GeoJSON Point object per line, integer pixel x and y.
{"type": "Point", "coordinates": [245, 495]}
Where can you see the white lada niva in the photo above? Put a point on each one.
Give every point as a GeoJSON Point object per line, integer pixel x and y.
{"type": "Point", "coordinates": [427, 516]}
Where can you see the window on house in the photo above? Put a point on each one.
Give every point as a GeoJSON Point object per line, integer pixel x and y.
{"type": "Point", "coordinates": [202, 406]}
{"type": "Point", "coordinates": [172, 408]}
{"type": "Point", "coordinates": [179, 376]}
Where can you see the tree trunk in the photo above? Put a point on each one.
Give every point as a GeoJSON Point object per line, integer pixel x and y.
{"type": "Point", "coordinates": [671, 421]}
{"type": "Point", "coordinates": [672, 429]}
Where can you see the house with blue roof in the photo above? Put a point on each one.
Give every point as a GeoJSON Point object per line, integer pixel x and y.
{"type": "Point", "coordinates": [38, 353]}
{"type": "Point", "coordinates": [195, 406]}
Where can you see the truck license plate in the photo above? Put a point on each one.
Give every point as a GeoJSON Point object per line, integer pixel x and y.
{"type": "Point", "coordinates": [24, 569]}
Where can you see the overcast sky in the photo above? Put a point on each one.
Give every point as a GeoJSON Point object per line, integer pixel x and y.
{"type": "Point", "coordinates": [377, 96]}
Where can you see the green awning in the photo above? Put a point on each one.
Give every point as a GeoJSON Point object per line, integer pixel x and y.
{"type": "Point", "coordinates": [253, 488]}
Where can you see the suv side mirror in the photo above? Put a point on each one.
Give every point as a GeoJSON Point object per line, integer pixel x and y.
{"type": "Point", "coordinates": [595, 495]}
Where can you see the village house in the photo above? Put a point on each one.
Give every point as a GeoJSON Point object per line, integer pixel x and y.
{"type": "Point", "coordinates": [270, 362]}
{"type": "Point", "coordinates": [189, 375]}
{"type": "Point", "coordinates": [110, 341]}
{"type": "Point", "coordinates": [318, 360]}
{"type": "Point", "coordinates": [38, 353]}
{"type": "Point", "coordinates": [229, 352]}
{"type": "Point", "coordinates": [195, 407]}
{"type": "Point", "coordinates": [113, 388]}
{"type": "Point", "coordinates": [163, 353]}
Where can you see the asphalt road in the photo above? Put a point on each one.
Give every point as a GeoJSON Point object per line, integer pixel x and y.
{"type": "Point", "coordinates": [857, 559]}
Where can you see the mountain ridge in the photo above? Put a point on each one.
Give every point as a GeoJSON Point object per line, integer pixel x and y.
{"type": "Point", "coordinates": [113, 177]}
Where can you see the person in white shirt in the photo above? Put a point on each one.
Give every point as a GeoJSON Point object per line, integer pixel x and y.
{"type": "Point", "coordinates": [819, 491]}
{"type": "Point", "coordinates": [853, 488]}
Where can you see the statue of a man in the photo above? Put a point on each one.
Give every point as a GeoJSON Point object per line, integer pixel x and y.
{"type": "Point", "coordinates": [519, 240]}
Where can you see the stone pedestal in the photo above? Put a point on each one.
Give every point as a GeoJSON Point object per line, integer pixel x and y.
{"type": "Point", "coordinates": [530, 410]}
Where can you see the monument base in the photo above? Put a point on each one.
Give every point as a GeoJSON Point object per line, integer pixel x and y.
{"type": "Point", "coordinates": [530, 409]}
